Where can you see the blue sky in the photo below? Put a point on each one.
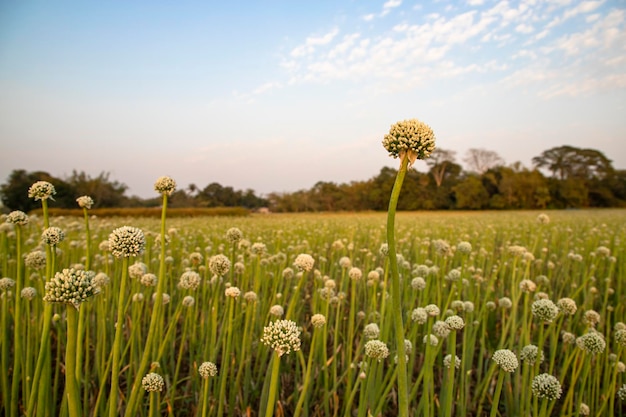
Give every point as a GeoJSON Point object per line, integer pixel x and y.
{"type": "Point", "coordinates": [276, 95]}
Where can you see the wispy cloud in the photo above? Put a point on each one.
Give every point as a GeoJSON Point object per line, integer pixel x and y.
{"type": "Point", "coordinates": [513, 42]}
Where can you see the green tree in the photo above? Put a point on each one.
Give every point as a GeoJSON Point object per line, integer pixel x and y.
{"type": "Point", "coordinates": [439, 162]}
{"type": "Point", "coordinates": [470, 193]}
{"type": "Point", "coordinates": [15, 191]}
{"type": "Point", "coordinates": [104, 191]}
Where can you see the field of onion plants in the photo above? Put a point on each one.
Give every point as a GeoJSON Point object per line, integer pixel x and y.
{"type": "Point", "coordinates": [503, 314]}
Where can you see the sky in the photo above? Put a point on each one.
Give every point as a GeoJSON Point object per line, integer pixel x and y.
{"type": "Point", "coordinates": [276, 95]}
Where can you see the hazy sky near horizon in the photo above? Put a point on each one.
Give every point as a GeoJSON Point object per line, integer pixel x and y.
{"type": "Point", "coordinates": [276, 95]}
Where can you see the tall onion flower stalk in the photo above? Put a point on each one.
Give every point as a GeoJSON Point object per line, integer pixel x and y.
{"type": "Point", "coordinates": [165, 186]}
{"type": "Point", "coordinates": [19, 219]}
{"type": "Point", "coordinates": [507, 362]}
{"type": "Point", "coordinates": [283, 336]}
{"type": "Point", "coordinates": [71, 287]}
{"type": "Point", "coordinates": [124, 242]}
{"type": "Point", "coordinates": [43, 190]}
{"type": "Point", "coordinates": [318, 321]}
{"type": "Point", "coordinates": [408, 140]}
{"type": "Point", "coordinates": [84, 202]}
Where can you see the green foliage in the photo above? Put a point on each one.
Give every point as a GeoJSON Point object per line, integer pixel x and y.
{"type": "Point", "coordinates": [562, 177]}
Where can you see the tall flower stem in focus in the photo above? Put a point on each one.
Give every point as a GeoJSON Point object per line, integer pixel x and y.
{"type": "Point", "coordinates": [165, 186]}
{"type": "Point", "coordinates": [85, 202]}
{"type": "Point", "coordinates": [403, 396]}
{"type": "Point", "coordinates": [18, 218]}
{"type": "Point", "coordinates": [117, 341]}
{"type": "Point", "coordinates": [42, 190]}
{"type": "Point", "coordinates": [409, 140]}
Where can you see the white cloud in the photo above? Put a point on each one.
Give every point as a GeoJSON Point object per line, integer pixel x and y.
{"type": "Point", "coordinates": [312, 41]}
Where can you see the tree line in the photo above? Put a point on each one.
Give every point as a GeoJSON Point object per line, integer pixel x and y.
{"type": "Point", "coordinates": [561, 177]}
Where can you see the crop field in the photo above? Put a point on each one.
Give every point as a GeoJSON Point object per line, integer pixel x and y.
{"type": "Point", "coordinates": [504, 314]}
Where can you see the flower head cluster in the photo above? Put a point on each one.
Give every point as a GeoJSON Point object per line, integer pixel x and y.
{"type": "Point", "coordinates": [17, 217]}
{"type": "Point", "coordinates": [464, 248]}
{"type": "Point", "coordinates": [529, 354]}
{"type": "Point", "coordinates": [71, 286]}
{"type": "Point", "coordinates": [318, 320]}
{"type": "Point", "coordinates": [232, 292]}
{"type": "Point", "coordinates": [546, 386]}
{"type": "Point", "coordinates": [419, 315]}
{"type": "Point", "coordinates": [371, 331]}
{"type": "Point", "coordinates": [282, 335]}
{"type": "Point", "coordinates": [6, 284]}
{"type": "Point", "coordinates": [620, 337]}
{"type": "Point", "coordinates": [505, 359]}
{"type": "Point", "coordinates": [207, 369]}
{"type": "Point", "coordinates": [85, 201]}
{"type": "Point", "coordinates": [441, 329]}
{"type": "Point", "coordinates": [188, 301]}
{"type": "Point", "coordinates": [355, 273]}
{"type": "Point", "coordinates": [250, 297]}
{"type": "Point", "coordinates": [376, 349]}
{"type": "Point", "coordinates": [567, 306]}
{"type": "Point", "coordinates": [127, 241]}
{"type": "Point", "coordinates": [505, 302]}
{"type": "Point", "coordinates": [583, 409]}
{"type": "Point", "coordinates": [455, 322]}
{"type": "Point", "coordinates": [442, 247]}
{"type": "Point", "coordinates": [35, 259]}
{"type": "Point", "coordinates": [29, 293]}
{"type": "Point", "coordinates": [304, 262]}
{"type": "Point", "coordinates": [418, 283]}
{"type": "Point", "coordinates": [101, 280]}
{"type": "Point", "coordinates": [149, 280]}
{"type": "Point", "coordinates": [189, 280]}
{"type": "Point", "coordinates": [277, 310]}
{"type": "Point", "coordinates": [219, 265]}
{"type": "Point", "coordinates": [432, 310]}
{"type": "Point", "coordinates": [41, 190]}
{"type": "Point", "coordinates": [196, 258]}
{"type": "Point", "coordinates": [52, 236]}
{"type": "Point", "coordinates": [258, 248]}
{"type": "Point", "coordinates": [591, 342]}
{"type": "Point", "coordinates": [153, 382]}
{"type": "Point", "coordinates": [543, 218]}
{"type": "Point", "coordinates": [234, 235]}
{"type": "Point", "coordinates": [165, 185]}
{"type": "Point", "coordinates": [621, 393]}
{"type": "Point", "coordinates": [431, 339]}
{"type": "Point", "coordinates": [411, 136]}
{"type": "Point", "coordinates": [527, 286]}
{"type": "Point", "coordinates": [592, 318]}
{"type": "Point", "coordinates": [447, 361]}
{"type": "Point", "coordinates": [137, 270]}
{"type": "Point", "coordinates": [288, 273]}
{"type": "Point", "coordinates": [545, 310]}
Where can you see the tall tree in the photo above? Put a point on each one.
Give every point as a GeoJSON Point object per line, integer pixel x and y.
{"type": "Point", "coordinates": [15, 191]}
{"type": "Point", "coordinates": [570, 162]}
{"type": "Point", "coordinates": [104, 191]}
{"type": "Point", "coordinates": [439, 161]}
{"type": "Point", "coordinates": [479, 160]}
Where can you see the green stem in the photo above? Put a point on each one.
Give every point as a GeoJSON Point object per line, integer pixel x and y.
{"type": "Point", "coordinates": [117, 343]}
{"type": "Point", "coordinates": [496, 395]}
{"type": "Point", "coordinates": [41, 379]}
{"type": "Point", "coordinates": [449, 387]}
{"type": "Point", "coordinates": [152, 341]}
{"type": "Point", "coordinates": [403, 397]}
{"type": "Point", "coordinates": [82, 311]}
{"type": "Point", "coordinates": [307, 376]}
{"type": "Point", "coordinates": [71, 386]}
{"type": "Point", "coordinates": [271, 398]}
{"type": "Point", "coordinates": [17, 327]}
